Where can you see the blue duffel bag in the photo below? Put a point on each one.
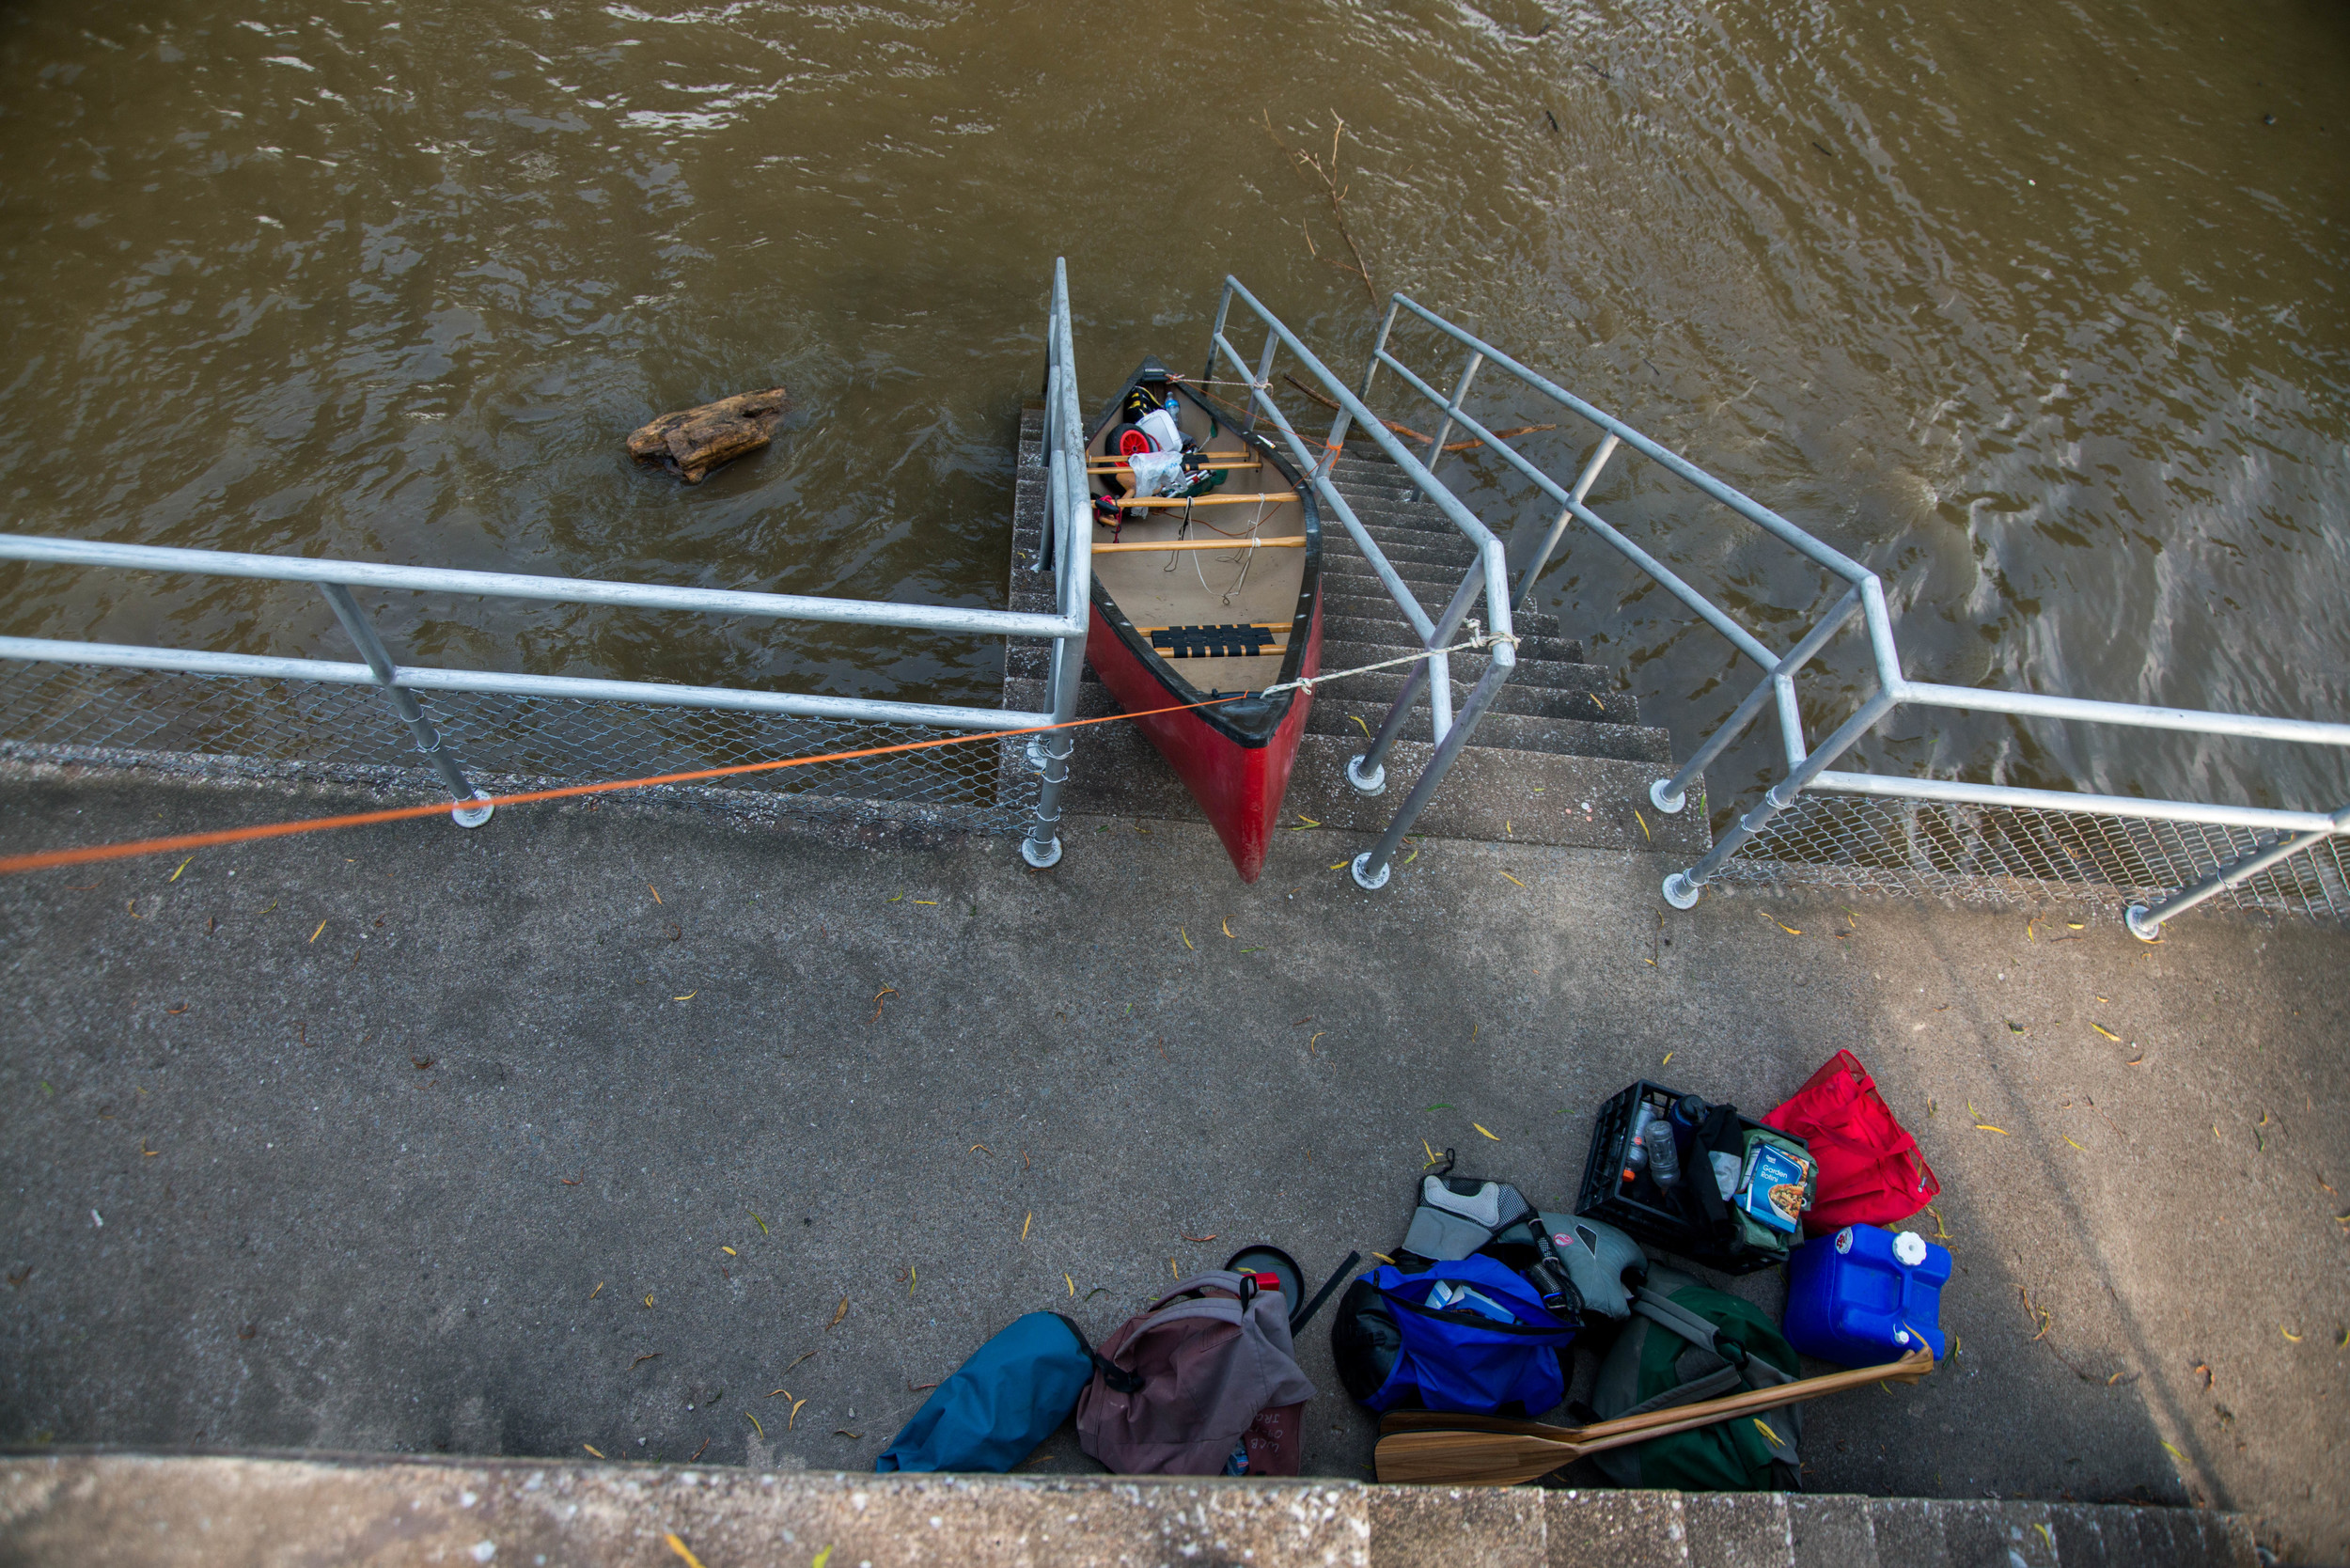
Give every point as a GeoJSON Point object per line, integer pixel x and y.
{"type": "Point", "coordinates": [1469, 1336]}
{"type": "Point", "coordinates": [1011, 1395]}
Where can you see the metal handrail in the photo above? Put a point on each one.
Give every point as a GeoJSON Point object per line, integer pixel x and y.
{"type": "Point", "coordinates": [1489, 579]}
{"type": "Point", "coordinates": [1864, 598]}
{"type": "Point", "coordinates": [1068, 532]}
{"type": "Point", "coordinates": [401, 682]}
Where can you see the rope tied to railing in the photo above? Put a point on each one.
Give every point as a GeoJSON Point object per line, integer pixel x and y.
{"type": "Point", "coordinates": [1477, 639]}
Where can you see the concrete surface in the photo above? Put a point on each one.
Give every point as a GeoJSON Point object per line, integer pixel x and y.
{"type": "Point", "coordinates": [416, 1139]}
{"type": "Point", "coordinates": [144, 1511]}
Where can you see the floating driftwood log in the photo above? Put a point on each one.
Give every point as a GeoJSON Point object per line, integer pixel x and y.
{"type": "Point", "coordinates": [693, 441]}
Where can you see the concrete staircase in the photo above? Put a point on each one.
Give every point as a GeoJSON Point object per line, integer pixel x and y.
{"type": "Point", "coordinates": [1562, 758]}
{"type": "Point", "coordinates": [198, 1512]}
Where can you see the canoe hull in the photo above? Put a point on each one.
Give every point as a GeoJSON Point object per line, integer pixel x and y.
{"type": "Point", "coordinates": [1238, 785]}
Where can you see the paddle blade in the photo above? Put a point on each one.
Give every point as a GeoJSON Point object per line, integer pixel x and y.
{"type": "Point", "coordinates": [1469, 1458]}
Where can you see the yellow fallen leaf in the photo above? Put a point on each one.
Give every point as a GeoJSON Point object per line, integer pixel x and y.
{"type": "Point", "coordinates": [183, 865]}
{"type": "Point", "coordinates": [1650, 962]}
{"type": "Point", "coordinates": [2075, 1145]}
{"type": "Point", "coordinates": [1769, 1434]}
{"type": "Point", "coordinates": [649, 1298]}
{"type": "Point", "coordinates": [1306, 819]}
{"type": "Point", "coordinates": [1187, 936]}
{"type": "Point", "coordinates": [1482, 1130]}
{"type": "Point", "coordinates": [1382, 1258]}
{"type": "Point", "coordinates": [1667, 1061]}
{"type": "Point", "coordinates": [1173, 1270]}
{"type": "Point", "coordinates": [2288, 1333]}
{"type": "Point", "coordinates": [1338, 864]}
{"type": "Point", "coordinates": [729, 1251]}
{"type": "Point", "coordinates": [1986, 1127]}
{"type": "Point", "coordinates": [982, 1148]}
{"type": "Point", "coordinates": [1431, 1160]}
{"type": "Point", "coordinates": [687, 998]}
{"type": "Point", "coordinates": [925, 900]}
{"type": "Point", "coordinates": [1025, 1223]}
{"type": "Point", "coordinates": [2106, 1032]}
{"type": "Point", "coordinates": [596, 1291]}
{"type": "Point", "coordinates": [1643, 822]}
{"type": "Point", "coordinates": [1785, 926]}
{"type": "Point", "coordinates": [1513, 879]}
{"type": "Point", "coordinates": [821, 1558]}
{"type": "Point", "coordinates": [679, 1546]}
{"type": "Point", "coordinates": [755, 1426]}
{"type": "Point", "coordinates": [592, 1448]}
{"type": "Point", "coordinates": [794, 1417]}
{"type": "Point", "coordinates": [2175, 1452]}
{"type": "Point", "coordinates": [1072, 1283]}
{"type": "Point", "coordinates": [912, 1274]}
{"type": "Point", "coordinates": [1359, 719]}
{"type": "Point", "coordinates": [1228, 926]}
{"type": "Point", "coordinates": [654, 891]}
{"type": "Point", "coordinates": [314, 936]}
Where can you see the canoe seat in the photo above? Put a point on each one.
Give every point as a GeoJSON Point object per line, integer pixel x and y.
{"type": "Point", "coordinates": [1210, 642]}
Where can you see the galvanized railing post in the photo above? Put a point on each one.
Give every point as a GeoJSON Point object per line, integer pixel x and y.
{"type": "Point", "coordinates": [1453, 409]}
{"type": "Point", "coordinates": [473, 807]}
{"type": "Point", "coordinates": [1576, 498]}
{"type": "Point", "coordinates": [1367, 770]}
{"type": "Point", "coordinates": [1223, 311]}
{"type": "Point", "coordinates": [1683, 887]}
{"type": "Point", "coordinates": [2145, 920]}
{"type": "Point", "coordinates": [1067, 511]}
{"type": "Point", "coordinates": [1669, 795]}
{"type": "Point", "coordinates": [1336, 447]}
{"type": "Point", "coordinates": [1372, 866]}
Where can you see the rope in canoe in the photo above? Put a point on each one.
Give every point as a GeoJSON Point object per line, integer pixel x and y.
{"type": "Point", "coordinates": [90, 853]}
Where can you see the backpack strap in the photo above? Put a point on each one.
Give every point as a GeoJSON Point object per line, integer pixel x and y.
{"type": "Point", "coordinates": [1737, 1368]}
{"type": "Point", "coordinates": [1118, 1377]}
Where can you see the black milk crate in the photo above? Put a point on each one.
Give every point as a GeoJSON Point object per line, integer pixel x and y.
{"type": "Point", "coordinates": [1640, 1208]}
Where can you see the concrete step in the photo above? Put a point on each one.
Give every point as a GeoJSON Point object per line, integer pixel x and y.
{"type": "Point", "coordinates": [1339, 597]}
{"type": "Point", "coordinates": [1568, 675]}
{"type": "Point", "coordinates": [1492, 794]}
{"type": "Point", "coordinates": [1347, 565]}
{"type": "Point", "coordinates": [1563, 737]}
{"type": "Point", "coordinates": [215, 1511]}
{"type": "Point", "coordinates": [1349, 622]}
{"type": "Point", "coordinates": [1380, 689]}
{"type": "Point", "coordinates": [1403, 544]}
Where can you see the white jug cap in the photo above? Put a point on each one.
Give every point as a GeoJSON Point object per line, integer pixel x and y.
{"type": "Point", "coordinates": [1910, 1248]}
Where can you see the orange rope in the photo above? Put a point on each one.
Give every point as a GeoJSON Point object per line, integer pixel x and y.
{"type": "Point", "coordinates": [89, 852]}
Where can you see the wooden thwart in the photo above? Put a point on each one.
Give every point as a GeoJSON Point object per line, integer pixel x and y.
{"type": "Point", "coordinates": [1203, 545]}
{"type": "Point", "coordinates": [1269, 499]}
{"type": "Point", "coordinates": [1431, 1447]}
{"type": "Point", "coordinates": [1113, 466]}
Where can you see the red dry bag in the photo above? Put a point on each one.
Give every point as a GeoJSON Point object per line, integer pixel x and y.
{"type": "Point", "coordinates": [1871, 1172]}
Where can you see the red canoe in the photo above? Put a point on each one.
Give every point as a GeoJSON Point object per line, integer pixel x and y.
{"type": "Point", "coordinates": [1205, 596]}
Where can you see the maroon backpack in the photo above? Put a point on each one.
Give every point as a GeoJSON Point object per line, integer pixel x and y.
{"type": "Point", "coordinates": [1205, 1371]}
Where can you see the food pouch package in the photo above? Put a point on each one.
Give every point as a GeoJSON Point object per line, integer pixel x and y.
{"type": "Point", "coordinates": [1772, 1190]}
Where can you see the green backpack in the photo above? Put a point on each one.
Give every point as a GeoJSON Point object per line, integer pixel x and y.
{"type": "Point", "coordinates": [1682, 1343]}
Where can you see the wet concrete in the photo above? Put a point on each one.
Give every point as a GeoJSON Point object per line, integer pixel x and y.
{"type": "Point", "coordinates": [420, 1140]}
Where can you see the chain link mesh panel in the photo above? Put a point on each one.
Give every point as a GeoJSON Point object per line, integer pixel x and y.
{"type": "Point", "coordinates": [71, 713]}
{"type": "Point", "coordinates": [2003, 857]}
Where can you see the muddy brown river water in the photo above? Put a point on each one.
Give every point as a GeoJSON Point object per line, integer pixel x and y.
{"type": "Point", "coordinates": [2036, 308]}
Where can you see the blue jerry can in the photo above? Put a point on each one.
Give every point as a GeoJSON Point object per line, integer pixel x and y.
{"type": "Point", "coordinates": [1865, 1295]}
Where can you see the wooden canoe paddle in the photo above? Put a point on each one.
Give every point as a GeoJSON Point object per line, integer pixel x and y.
{"type": "Point", "coordinates": [1432, 1447]}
